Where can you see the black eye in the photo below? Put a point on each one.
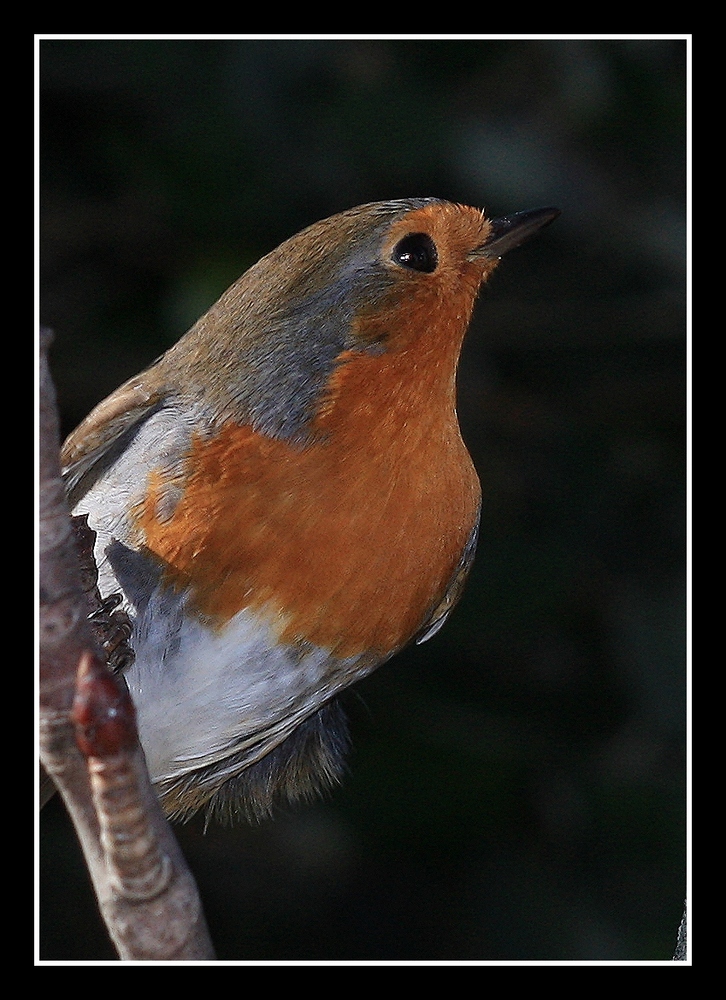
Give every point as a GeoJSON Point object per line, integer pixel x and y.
{"type": "Point", "coordinates": [416, 251]}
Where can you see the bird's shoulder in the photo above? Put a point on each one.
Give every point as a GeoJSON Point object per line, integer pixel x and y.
{"type": "Point", "coordinates": [105, 433]}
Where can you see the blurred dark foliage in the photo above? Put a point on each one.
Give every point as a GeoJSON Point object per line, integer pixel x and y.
{"type": "Point", "coordinates": [517, 785]}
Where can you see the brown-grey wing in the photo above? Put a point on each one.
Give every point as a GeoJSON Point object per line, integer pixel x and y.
{"type": "Point", "coordinates": [103, 435]}
{"type": "Point", "coordinates": [453, 592]}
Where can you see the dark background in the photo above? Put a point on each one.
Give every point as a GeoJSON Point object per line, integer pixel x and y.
{"type": "Point", "coordinates": [517, 785]}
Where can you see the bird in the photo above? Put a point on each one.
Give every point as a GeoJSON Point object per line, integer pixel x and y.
{"type": "Point", "coordinates": [283, 500]}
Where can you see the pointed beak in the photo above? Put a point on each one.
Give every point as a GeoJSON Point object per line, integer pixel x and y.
{"type": "Point", "coordinates": [512, 230]}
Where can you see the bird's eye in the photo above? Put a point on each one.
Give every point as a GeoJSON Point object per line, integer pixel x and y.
{"type": "Point", "coordinates": [416, 251]}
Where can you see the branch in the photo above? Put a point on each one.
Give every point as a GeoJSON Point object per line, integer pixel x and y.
{"type": "Point", "coordinates": [90, 748]}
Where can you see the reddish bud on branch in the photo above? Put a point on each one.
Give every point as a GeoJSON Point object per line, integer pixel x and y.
{"type": "Point", "coordinates": [103, 712]}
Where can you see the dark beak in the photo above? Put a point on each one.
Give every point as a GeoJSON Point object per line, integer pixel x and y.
{"type": "Point", "coordinates": [512, 230]}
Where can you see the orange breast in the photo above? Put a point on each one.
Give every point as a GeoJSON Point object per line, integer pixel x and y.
{"type": "Point", "coordinates": [347, 542]}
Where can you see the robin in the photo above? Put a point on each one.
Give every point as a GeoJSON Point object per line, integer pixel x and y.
{"type": "Point", "coordinates": [283, 500]}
